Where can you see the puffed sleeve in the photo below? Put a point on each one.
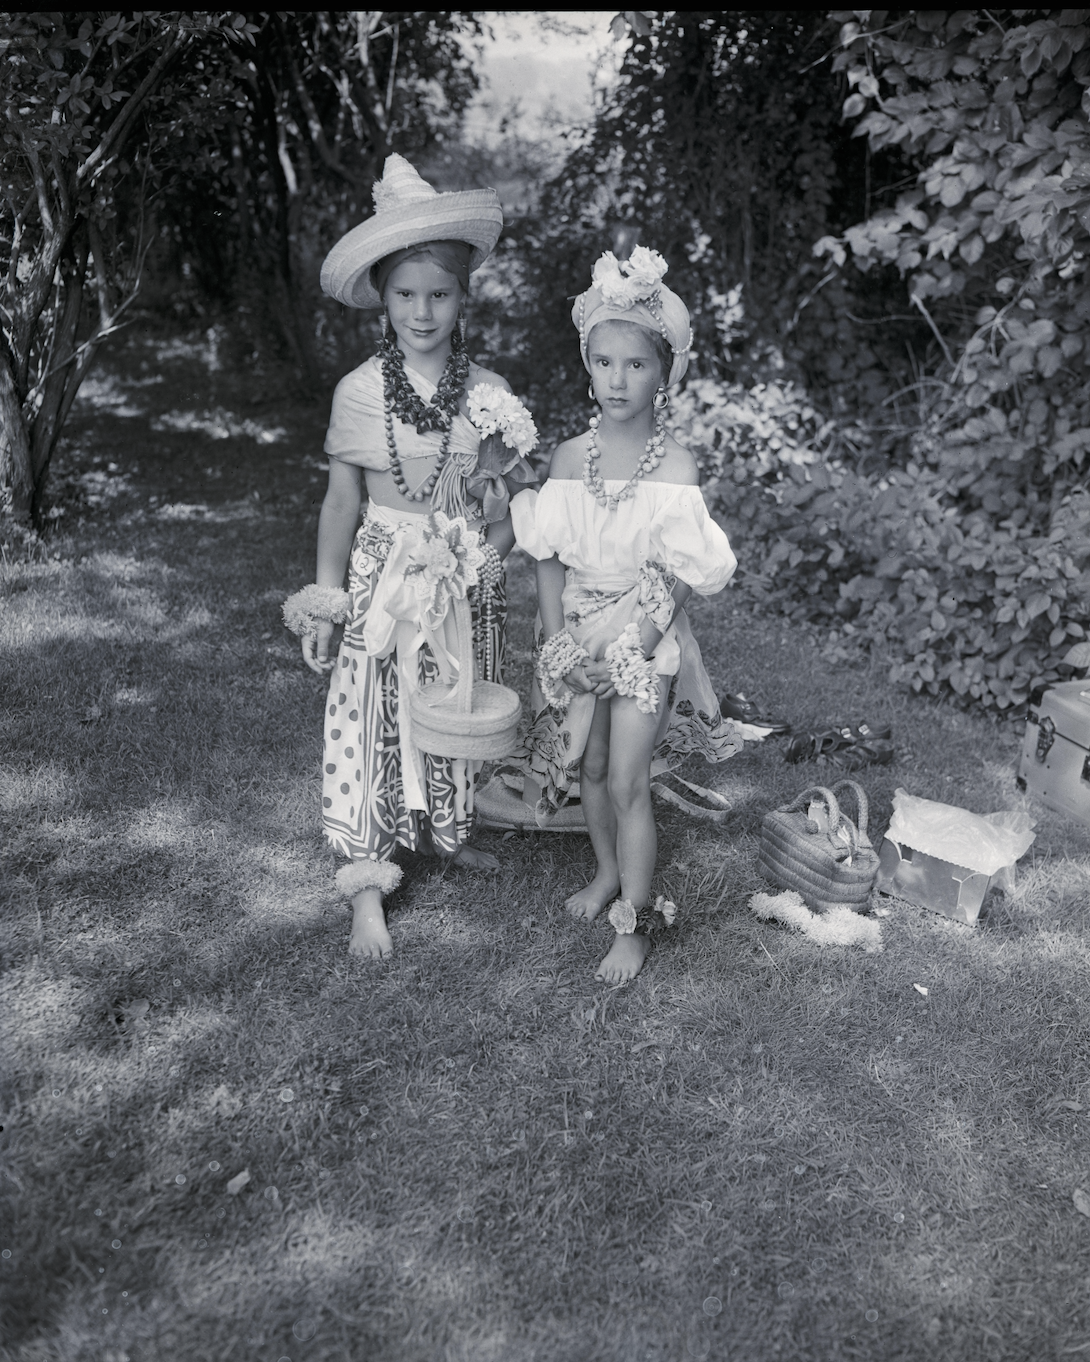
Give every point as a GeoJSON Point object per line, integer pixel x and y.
{"type": "Point", "coordinates": [531, 522]}
{"type": "Point", "coordinates": [691, 544]}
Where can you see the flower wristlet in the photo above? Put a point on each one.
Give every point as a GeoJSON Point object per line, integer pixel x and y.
{"type": "Point", "coordinates": [632, 673]}
{"type": "Point", "coordinates": [558, 655]}
{"type": "Point", "coordinates": [306, 608]}
{"type": "Point", "coordinates": [624, 919]}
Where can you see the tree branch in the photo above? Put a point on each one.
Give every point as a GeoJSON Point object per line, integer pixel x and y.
{"type": "Point", "coordinates": [114, 138]}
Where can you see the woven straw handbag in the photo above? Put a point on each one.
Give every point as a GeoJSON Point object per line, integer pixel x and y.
{"type": "Point", "coordinates": [477, 720]}
{"type": "Point", "coordinates": [830, 860]}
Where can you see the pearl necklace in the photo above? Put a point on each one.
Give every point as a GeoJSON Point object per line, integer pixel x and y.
{"type": "Point", "coordinates": [648, 462]}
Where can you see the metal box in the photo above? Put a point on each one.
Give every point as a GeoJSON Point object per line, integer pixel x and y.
{"type": "Point", "coordinates": [1055, 762]}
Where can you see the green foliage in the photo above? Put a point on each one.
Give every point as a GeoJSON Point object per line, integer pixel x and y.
{"type": "Point", "coordinates": [982, 603]}
{"type": "Point", "coordinates": [991, 109]}
{"type": "Point", "coordinates": [278, 159]}
{"type": "Point", "coordinates": [86, 127]}
{"type": "Point", "coordinates": [722, 146]}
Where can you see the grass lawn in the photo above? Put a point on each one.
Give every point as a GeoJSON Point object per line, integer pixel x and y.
{"type": "Point", "coordinates": [757, 1150]}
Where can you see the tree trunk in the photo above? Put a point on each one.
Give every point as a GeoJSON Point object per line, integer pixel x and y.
{"type": "Point", "coordinates": [16, 476]}
{"type": "Point", "coordinates": [45, 428]}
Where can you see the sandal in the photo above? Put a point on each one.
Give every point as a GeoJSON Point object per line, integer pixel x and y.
{"type": "Point", "coordinates": [865, 732]}
{"type": "Point", "coordinates": [811, 746]}
{"type": "Point", "coordinates": [741, 708]}
{"type": "Point", "coordinates": [877, 752]}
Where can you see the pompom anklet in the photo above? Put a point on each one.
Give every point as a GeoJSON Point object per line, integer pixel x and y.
{"type": "Point", "coordinates": [384, 876]}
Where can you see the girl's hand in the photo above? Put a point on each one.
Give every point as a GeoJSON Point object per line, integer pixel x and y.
{"type": "Point", "coordinates": [318, 651]}
{"type": "Point", "coordinates": [598, 679]}
{"type": "Point", "coordinates": [578, 680]}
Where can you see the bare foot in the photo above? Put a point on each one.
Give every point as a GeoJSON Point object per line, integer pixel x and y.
{"type": "Point", "coordinates": [471, 858]}
{"type": "Point", "coordinates": [370, 938]}
{"type": "Point", "coordinates": [625, 959]}
{"type": "Point", "coordinates": [589, 901]}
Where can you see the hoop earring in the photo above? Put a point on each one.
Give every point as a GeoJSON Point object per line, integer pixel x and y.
{"type": "Point", "coordinates": [661, 406]}
{"type": "Point", "coordinates": [384, 322]}
{"type": "Point", "coordinates": [590, 393]}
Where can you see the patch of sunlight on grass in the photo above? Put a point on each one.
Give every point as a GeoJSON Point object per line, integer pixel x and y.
{"type": "Point", "coordinates": [221, 515]}
{"type": "Point", "coordinates": [327, 1244]}
{"type": "Point", "coordinates": [133, 697]}
{"type": "Point", "coordinates": [429, 925]}
{"type": "Point", "coordinates": [45, 789]}
{"type": "Point", "coordinates": [166, 823]}
{"type": "Point", "coordinates": [42, 1016]}
{"type": "Point", "coordinates": [219, 424]}
{"type": "Point", "coordinates": [104, 392]}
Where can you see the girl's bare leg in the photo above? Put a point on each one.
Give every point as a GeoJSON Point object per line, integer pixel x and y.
{"type": "Point", "coordinates": [369, 937]}
{"type": "Point", "coordinates": [589, 901]}
{"type": "Point", "coordinates": [632, 741]}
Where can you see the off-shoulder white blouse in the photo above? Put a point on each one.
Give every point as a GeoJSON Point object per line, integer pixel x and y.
{"type": "Point", "coordinates": [662, 522]}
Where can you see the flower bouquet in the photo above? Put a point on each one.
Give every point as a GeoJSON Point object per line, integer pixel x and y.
{"type": "Point", "coordinates": [444, 565]}
{"type": "Point", "coordinates": [508, 435]}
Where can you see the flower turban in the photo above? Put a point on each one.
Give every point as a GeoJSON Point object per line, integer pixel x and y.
{"type": "Point", "coordinates": [632, 291]}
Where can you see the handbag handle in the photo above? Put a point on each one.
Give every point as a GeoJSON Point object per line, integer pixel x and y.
{"type": "Point", "coordinates": [860, 799]}
{"type": "Point", "coordinates": [803, 800]}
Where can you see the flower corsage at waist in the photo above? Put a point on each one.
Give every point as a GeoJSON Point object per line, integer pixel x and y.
{"type": "Point", "coordinates": [631, 672]}
{"type": "Point", "coordinates": [508, 435]}
{"type": "Point", "coordinates": [625, 919]}
{"type": "Point", "coordinates": [558, 655]}
{"type": "Point", "coordinates": [445, 563]}
{"type": "Point", "coordinates": [306, 608]}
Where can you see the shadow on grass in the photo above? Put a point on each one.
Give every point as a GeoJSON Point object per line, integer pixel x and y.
{"type": "Point", "coordinates": [473, 1150]}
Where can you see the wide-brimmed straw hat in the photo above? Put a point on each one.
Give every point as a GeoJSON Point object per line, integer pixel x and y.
{"type": "Point", "coordinates": [408, 212]}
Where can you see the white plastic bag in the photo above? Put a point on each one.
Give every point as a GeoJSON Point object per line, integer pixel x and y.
{"type": "Point", "coordinates": [984, 843]}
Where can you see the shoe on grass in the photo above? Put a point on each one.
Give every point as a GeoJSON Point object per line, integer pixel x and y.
{"type": "Point", "coordinates": [745, 711]}
{"type": "Point", "coordinates": [811, 746]}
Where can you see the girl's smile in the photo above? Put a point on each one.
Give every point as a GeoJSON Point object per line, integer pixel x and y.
{"type": "Point", "coordinates": [422, 302]}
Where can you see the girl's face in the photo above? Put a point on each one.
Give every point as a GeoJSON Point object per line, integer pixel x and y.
{"type": "Point", "coordinates": [422, 301]}
{"type": "Point", "coordinates": [624, 369]}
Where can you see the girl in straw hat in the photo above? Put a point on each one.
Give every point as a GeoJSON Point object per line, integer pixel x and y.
{"type": "Point", "coordinates": [622, 539]}
{"type": "Point", "coordinates": [400, 430]}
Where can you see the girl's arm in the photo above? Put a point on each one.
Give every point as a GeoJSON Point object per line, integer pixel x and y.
{"type": "Point", "coordinates": [551, 575]}
{"type": "Point", "coordinates": [649, 634]}
{"type": "Point", "coordinates": [501, 535]}
{"type": "Point", "coordinates": [337, 524]}
{"type": "Point", "coordinates": [550, 587]}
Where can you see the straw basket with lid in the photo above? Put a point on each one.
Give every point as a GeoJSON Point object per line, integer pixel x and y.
{"type": "Point", "coordinates": [477, 720]}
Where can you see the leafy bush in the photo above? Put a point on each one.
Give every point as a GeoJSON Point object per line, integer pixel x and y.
{"type": "Point", "coordinates": [978, 601]}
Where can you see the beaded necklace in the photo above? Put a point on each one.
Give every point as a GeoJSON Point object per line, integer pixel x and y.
{"type": "Point", "coordinates": [400, 398]}
{"type": "Point", "coordinates": [648, 462]}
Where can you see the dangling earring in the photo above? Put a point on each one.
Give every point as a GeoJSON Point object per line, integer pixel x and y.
{"type": "Point", "coordinates": [661, 406]}
{"type": "Point", "coordinates": [462, 326]}
{"type": "Point", "coordinates": [384, 322]}
{"type": "Point", "coordinates": [590, 393]}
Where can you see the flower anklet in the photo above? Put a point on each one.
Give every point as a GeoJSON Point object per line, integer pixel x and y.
{"type": "Point", "coordinates": [625, 919]}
